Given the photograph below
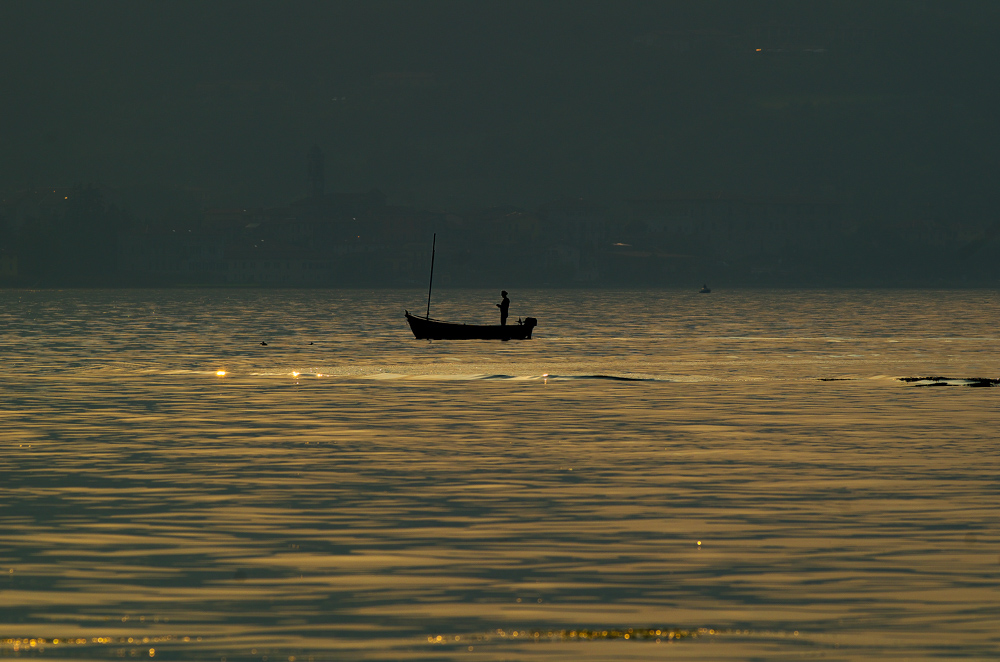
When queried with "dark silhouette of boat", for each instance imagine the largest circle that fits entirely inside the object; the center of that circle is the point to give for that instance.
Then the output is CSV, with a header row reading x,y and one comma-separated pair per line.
x,y
425,328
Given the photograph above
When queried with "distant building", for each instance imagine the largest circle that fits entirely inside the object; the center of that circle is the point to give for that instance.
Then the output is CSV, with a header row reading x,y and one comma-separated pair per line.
x,y
8,267
733,227
34,204
321,240
580,223
505,225
168,256
276,267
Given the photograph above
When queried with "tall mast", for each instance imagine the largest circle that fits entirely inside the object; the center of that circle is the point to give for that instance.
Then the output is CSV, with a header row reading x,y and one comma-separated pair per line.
x,y
431,283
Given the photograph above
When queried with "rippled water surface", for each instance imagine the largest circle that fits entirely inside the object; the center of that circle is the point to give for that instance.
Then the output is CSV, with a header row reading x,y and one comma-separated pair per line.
x,y
657,474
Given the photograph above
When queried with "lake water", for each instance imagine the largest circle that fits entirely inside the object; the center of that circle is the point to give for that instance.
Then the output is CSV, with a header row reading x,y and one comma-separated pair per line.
x,y
657,474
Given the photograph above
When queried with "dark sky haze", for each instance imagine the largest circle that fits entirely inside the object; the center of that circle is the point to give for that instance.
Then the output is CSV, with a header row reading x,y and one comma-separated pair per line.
x,y
463,104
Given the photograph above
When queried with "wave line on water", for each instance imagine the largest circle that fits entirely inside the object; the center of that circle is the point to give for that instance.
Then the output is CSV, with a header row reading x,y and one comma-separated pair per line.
x,y
616,378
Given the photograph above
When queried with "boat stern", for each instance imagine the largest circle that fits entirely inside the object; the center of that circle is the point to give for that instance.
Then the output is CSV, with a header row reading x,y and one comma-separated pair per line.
x,y
530,323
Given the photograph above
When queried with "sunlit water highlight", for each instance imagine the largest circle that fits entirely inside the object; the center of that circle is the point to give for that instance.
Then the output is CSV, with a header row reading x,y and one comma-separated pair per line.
x,y
739,475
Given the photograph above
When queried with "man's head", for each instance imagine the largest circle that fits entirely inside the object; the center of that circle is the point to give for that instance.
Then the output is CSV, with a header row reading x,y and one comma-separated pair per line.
x,y
503,293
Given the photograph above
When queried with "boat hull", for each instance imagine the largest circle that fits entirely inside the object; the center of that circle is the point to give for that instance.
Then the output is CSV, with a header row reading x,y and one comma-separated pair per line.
x,y
429,329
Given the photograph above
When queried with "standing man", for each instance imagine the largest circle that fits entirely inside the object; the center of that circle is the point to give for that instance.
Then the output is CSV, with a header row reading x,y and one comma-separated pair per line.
x,y
504,306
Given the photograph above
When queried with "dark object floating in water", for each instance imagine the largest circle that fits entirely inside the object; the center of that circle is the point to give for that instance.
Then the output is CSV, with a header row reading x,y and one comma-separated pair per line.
x,y
949,381
581,377
983,381
430,329
616,378
705,289
835,379
263,344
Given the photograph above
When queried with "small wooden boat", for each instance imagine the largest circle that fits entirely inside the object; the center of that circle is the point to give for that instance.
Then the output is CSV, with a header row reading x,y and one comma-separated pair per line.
x,y
425,328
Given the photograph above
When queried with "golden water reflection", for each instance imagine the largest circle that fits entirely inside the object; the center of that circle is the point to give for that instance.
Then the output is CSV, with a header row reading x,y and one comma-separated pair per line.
x,y
425,490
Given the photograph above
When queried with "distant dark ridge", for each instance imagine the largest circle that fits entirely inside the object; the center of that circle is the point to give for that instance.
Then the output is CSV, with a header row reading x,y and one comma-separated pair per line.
x,y
949,381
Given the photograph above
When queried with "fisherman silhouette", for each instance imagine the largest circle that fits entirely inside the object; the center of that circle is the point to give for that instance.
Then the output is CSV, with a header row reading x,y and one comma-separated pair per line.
x,y
504,306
